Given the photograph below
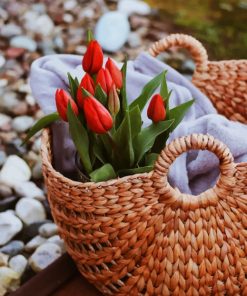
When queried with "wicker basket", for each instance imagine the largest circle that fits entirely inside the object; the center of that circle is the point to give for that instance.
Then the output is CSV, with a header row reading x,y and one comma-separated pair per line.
x,y
138,236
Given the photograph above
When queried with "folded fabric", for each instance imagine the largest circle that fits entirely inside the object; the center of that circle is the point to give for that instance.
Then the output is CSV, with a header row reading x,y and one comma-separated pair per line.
x,y
192,172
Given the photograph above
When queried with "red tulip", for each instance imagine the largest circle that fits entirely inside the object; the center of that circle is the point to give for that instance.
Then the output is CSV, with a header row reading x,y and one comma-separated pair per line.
x,y
98,118
156,109
88,84
104,80
93,58
62,101
116,74
113,101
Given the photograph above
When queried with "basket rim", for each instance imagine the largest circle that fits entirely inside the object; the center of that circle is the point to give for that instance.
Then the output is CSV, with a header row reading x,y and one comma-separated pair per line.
x,y
45,141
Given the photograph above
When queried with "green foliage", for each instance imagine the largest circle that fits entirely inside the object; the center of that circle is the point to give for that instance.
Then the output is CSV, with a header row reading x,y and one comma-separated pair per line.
x,y
73,86
100,95
103,173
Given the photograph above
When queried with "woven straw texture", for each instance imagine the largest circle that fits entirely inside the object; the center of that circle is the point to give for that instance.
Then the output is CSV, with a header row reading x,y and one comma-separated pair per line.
x,y
224,82
139,236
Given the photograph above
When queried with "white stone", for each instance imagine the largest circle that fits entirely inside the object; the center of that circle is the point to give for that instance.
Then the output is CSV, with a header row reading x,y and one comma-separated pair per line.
x,y
44,256
9,279
68,18
134,40
30,100
25,88
44,25
2,61
23,41
134,6
48,229
10,225
56,239
3,82
4,119
22,123
112,30
28,189
9,101
70,5
10,30
18,263
14,171
30,210
34,243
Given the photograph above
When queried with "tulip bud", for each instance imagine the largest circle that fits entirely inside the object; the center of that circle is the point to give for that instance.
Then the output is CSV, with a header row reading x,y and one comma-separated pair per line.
x,y
156,109
116,74
88,84
104,80
98,118
93,58
113,101
62,101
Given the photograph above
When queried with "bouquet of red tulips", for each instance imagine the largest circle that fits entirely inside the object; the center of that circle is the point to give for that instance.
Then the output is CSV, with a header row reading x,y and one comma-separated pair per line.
x,y
106,130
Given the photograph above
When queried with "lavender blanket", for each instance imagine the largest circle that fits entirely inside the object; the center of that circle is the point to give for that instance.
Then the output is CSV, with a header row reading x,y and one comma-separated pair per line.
x,y
192,172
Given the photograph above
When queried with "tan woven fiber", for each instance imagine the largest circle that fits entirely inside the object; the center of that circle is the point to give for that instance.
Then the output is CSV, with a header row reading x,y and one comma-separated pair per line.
x,y
138,236
224,82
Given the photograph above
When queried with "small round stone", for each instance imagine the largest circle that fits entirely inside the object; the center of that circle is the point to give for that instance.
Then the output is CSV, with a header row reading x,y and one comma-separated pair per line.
x,y
10,225
28,189
22,123
30,210
5,191
44,256
56,239
18,264
48,229
34,243
12,248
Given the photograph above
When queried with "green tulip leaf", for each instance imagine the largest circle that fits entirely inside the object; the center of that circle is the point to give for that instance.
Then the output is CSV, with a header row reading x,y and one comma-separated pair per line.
x,y
100,95
90,36
99,150
73,86
124,103
135,121
40,124
146,138
140,170
80,138
164,88
106,172
147,91
151,158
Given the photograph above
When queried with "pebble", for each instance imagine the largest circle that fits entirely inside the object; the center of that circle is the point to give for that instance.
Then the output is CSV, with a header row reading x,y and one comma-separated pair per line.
x,y
134,6
8,101
44,25
37,171
9,279
18,264
30,210
2,61
4,120
3,158
56,239
44,256
12,248
23,41
28,189
30,100
5,191
36,145
10,225
134,40
48,230
14,147
8,203
4,258
14,52
108,28
188,65
31,230
14,171
34,243
70,5
20,109
22,123
10,30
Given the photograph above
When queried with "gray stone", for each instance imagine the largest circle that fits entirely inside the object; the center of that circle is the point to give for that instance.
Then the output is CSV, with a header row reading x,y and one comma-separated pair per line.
x,y
23,41
188,65
108,28
7,203
3,158
40,24
56,239
8,101
4,258
14,171
2,61
48,229
30,210
22,123
37,170
44,256
5,191
31,230
28,189
9,279
18,264
10,225
12,248
134,6
134,40
10,30
34,243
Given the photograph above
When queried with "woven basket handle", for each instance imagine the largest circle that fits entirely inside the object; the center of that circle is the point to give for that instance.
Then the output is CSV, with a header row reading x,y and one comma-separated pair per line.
x,y
195,142
196,49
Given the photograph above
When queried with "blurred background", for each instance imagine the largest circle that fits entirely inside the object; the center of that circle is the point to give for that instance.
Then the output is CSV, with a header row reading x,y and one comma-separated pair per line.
x,y
30,29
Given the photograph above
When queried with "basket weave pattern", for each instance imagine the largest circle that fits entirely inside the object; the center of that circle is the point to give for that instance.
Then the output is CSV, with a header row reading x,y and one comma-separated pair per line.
x,y
139,236
224,82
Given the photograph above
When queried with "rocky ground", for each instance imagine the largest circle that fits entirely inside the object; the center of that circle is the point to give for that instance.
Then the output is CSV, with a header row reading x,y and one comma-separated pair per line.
x,y
29,29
